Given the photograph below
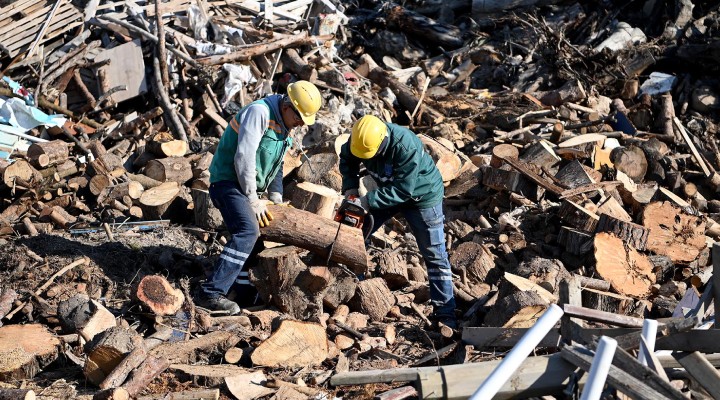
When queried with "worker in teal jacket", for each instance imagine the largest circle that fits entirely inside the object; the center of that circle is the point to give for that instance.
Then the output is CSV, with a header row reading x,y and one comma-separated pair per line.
x,y
247,163
409,184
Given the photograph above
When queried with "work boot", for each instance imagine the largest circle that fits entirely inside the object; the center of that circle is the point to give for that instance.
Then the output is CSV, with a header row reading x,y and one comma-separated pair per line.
x,y
220,303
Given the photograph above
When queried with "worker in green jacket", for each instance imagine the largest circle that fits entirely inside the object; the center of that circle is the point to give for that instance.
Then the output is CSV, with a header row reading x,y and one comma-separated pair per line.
x,y
409,184
248,162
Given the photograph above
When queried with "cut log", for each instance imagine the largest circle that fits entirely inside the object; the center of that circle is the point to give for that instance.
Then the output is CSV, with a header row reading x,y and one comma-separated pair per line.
x,y
156,293
311,232
98,184
20,171
172,169
577,216
233,355
105,165
7,299
341,288
248,386
207,216
156,201
477,261
164,145
614,209
575,241
322,169
503,151
610,302
112,394
106,350
509,180
546,272
446,161
206,375
542,155
135,358
144,374
45,154
518,310
17,394
631,161
85,316
283,280
374,298
418,25
631,234
25,350
526,285
292,60
391,265
314,198
294,344
146,182
629,272
573,175
673,233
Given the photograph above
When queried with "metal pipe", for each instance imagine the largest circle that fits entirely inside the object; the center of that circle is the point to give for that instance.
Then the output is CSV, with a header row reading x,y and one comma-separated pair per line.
x,y
512,361
599,369
649,332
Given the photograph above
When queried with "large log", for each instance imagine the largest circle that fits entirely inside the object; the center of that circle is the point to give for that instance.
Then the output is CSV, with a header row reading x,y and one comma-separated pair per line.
x,y
341,288
629,272
45,154
24,350
673,233
477,261
517,310
447,162
164,145
18,172
156,293
294,344
392,266
106,351
632,234
312,232
156,201
85,316
174,169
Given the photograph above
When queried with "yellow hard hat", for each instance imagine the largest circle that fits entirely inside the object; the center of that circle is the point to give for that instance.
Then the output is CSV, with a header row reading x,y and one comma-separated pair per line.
x,y
367,135
306,99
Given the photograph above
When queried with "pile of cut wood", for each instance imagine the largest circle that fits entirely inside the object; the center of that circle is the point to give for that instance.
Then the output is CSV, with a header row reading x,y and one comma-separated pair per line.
x,y
577,145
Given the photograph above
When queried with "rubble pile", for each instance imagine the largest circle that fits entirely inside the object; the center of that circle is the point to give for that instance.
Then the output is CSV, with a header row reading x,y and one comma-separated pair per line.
x,y
576,142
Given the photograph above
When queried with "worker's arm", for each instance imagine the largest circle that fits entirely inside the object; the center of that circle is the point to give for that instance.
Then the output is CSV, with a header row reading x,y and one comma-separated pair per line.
x,y
349,169
406,165
253,123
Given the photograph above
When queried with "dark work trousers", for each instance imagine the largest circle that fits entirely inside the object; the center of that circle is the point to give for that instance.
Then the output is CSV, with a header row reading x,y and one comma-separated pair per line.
x,y
240,221
426,225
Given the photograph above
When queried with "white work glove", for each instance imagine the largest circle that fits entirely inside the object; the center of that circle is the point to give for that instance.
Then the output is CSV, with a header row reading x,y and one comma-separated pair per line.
x,y
352,192
275,197
261,212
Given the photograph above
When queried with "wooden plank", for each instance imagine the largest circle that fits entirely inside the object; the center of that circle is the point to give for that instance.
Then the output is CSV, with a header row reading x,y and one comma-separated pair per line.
x,y
696,155
15,6
28,22
570,293
602,316
44,28
52,36
59,25
701,370
617,378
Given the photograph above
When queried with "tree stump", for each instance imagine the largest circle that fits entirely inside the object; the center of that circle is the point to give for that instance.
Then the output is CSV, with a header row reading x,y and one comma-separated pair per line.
x,y
294,344
206,215
25,350
107,350
673,233
172,169
156,293
374,298
629,272
314,198
42,155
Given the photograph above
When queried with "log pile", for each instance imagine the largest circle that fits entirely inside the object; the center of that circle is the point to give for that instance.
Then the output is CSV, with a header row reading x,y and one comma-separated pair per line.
x,y
577,172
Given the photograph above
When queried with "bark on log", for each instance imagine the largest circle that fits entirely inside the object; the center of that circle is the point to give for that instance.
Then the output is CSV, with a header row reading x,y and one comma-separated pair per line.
x,y
294,344
17,394
374,298
283,280
144,374
107,350
112,394
609,302
7,299
613,208
311,232
632,234
98,184
42,155
322,169
173,169
673,233
136,357
629,272
164,145
502,151
575,241
292,60
156,201
341,288
206,215
631,161
577,216
20,171
105,165
202,165
257,50
573,175
392,266
156,293
24,350
541,155
447,162
518,310
509,180
314,198
477,261
146,182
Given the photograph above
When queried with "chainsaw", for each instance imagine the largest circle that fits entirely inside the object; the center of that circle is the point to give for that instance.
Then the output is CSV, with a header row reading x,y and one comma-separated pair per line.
x,y
350,213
